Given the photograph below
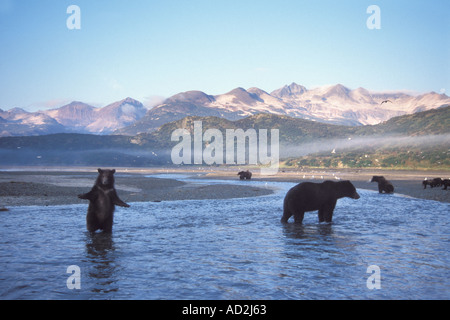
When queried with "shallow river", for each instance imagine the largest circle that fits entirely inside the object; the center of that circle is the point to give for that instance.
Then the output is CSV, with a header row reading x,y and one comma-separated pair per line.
x,y
230,249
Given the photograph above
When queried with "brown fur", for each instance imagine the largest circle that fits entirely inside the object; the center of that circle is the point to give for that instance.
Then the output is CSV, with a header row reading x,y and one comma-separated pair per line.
x,y
102,201
309,196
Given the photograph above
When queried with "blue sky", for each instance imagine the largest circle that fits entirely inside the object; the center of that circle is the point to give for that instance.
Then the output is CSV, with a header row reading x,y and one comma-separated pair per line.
x,y
145,49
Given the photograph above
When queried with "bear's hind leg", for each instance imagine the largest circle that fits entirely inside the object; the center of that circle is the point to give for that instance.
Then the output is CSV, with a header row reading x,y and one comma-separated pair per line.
x,y
107,227
92,223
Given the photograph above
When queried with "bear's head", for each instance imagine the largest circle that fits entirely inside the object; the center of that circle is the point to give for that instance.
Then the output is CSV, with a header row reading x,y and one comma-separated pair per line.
x,y
347,189
377,179
105,178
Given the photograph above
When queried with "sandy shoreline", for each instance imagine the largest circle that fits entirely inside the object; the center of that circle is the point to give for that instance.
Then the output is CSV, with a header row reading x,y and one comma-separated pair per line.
x,y
60,186
44,188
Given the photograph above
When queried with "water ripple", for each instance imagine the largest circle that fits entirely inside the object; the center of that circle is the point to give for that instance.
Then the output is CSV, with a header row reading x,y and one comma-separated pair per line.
x,y
222,249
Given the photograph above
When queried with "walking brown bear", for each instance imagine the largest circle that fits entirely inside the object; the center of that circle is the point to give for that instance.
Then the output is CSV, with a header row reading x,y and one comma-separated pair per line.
x,y
245,175
383,184
102,201
309,196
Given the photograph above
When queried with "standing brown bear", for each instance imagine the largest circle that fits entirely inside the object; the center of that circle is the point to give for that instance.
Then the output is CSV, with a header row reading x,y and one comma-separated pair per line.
x,y
309,196
102,201
383,184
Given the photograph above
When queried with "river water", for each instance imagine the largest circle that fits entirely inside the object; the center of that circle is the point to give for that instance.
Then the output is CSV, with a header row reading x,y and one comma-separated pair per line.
x,y
230,249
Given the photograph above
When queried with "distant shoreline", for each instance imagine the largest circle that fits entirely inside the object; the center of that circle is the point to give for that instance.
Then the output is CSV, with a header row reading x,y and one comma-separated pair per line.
x,y
406,182
43,186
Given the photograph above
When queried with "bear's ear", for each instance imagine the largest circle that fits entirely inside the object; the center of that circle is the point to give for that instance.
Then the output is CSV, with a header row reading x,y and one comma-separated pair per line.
x,y
348,184
113,171
99,170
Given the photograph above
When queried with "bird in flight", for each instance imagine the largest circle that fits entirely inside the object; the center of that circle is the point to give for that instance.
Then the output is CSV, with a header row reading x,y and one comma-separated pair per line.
x,y
386,101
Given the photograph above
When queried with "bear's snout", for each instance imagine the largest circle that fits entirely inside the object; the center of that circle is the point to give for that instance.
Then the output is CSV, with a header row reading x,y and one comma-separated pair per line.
x,y
356,195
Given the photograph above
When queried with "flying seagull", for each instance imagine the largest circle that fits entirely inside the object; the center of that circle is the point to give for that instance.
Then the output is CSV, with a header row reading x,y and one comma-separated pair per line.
x,y
386,101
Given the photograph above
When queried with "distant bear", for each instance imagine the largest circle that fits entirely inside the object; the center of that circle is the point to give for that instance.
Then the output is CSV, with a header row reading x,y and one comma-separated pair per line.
x,y
445,183
102,200
245,175
436,182
309,196
383,184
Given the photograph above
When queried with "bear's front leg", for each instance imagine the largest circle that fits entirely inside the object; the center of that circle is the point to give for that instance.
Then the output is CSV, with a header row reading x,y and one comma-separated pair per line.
x,y
118,202
321,216
91,195
380,188
286,216
85,196
327,211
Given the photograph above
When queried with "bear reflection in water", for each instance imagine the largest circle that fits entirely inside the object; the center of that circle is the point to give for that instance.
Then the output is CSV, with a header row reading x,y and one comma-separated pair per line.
x,y
309,196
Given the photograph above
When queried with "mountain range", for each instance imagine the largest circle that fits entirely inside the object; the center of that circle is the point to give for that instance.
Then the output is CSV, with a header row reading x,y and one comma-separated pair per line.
x,y
330,104
75,117
335,104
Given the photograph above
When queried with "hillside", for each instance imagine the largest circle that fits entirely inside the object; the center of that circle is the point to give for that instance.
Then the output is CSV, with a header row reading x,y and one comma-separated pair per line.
x,y
299,131
418,141
431,122
302,143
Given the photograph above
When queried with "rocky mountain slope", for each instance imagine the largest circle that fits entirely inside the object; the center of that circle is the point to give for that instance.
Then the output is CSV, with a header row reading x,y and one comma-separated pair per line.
x,y
330,104
335,104
76,117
